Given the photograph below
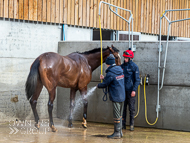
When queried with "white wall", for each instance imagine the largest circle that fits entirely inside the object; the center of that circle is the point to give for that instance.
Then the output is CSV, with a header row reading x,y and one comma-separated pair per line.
x,y
148,38
77,33
20,44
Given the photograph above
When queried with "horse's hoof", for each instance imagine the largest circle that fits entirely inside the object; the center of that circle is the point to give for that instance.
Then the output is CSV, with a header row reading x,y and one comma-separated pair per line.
x,y
53,128
70,125
84,123
84,126
37,125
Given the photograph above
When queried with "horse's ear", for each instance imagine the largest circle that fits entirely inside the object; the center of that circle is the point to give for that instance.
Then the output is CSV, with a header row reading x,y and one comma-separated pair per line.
x,y
110,49
112,46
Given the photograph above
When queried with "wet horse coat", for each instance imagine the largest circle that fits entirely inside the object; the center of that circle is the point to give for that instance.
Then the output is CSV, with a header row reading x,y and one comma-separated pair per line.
x,y
73,71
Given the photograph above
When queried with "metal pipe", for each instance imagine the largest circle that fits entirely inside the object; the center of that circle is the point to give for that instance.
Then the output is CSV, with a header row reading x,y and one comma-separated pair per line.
x,y
179,20
118,14
113,6
158,96
132,36
170,22
165,56
115,12
166,18
177,10
129,33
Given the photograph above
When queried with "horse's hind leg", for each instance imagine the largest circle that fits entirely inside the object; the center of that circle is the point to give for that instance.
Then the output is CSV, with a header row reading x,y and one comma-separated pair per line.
x,y
72,106
85,102
33,103
50,108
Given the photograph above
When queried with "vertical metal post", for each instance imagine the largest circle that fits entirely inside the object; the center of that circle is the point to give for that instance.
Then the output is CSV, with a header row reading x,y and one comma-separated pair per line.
x,y
129,33
132,35
157,110
166,52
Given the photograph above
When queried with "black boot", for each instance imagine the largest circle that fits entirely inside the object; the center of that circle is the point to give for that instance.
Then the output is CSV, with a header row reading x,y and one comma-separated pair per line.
x,y
117,131
132,122
131,127
121,127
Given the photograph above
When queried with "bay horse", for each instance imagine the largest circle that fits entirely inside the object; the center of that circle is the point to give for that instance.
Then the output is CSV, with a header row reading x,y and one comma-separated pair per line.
x,y
73,71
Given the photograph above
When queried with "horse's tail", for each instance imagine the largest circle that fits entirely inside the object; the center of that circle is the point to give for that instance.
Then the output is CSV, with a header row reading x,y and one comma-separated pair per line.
x,y
32,79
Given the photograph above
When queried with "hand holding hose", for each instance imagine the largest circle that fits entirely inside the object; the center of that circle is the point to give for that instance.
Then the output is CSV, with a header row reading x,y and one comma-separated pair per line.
x,y
101,77
133,94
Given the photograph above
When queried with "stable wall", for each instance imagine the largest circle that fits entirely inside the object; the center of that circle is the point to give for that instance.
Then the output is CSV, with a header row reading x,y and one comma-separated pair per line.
x,y
174,97
20,44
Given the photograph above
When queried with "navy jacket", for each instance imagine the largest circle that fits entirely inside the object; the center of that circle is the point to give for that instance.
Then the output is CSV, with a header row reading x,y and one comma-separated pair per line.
x,y
114,80
131,73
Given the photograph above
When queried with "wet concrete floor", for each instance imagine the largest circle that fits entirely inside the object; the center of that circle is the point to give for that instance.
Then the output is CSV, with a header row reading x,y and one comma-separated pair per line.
x,y
14,132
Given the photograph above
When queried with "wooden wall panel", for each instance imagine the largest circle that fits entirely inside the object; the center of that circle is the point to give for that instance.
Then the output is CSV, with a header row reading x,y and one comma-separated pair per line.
x,y
121,13
124,15
35,10
5,12
44,11
128,14
112,16
102,16
61,8
146,14
91,13
15,11
139,15
72,12
95,13
39,10
109,16
69,12
88,13
57,17
97,16
76,12
26,8
142,15
152,16
31,10
115,17
84,15
65,11
11,9
136,15
105,14
131,8
1,8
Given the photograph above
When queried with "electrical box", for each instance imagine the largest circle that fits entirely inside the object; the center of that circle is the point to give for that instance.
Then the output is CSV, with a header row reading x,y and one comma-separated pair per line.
x,y
134,48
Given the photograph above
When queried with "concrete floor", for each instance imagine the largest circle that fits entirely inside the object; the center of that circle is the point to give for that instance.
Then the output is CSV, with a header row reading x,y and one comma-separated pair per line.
x,y
14,132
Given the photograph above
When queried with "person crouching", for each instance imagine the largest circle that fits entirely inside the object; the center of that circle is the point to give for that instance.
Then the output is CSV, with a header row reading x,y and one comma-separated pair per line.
x,y
114,80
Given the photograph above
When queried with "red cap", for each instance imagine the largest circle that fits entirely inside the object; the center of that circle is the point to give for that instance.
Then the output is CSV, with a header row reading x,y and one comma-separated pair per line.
x,y
128,54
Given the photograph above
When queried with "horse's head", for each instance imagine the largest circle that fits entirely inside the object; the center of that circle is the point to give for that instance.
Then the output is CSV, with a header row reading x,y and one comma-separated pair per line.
x,y
115,52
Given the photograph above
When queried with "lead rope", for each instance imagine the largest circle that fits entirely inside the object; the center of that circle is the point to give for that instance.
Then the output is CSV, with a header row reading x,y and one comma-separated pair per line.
x,y
105,97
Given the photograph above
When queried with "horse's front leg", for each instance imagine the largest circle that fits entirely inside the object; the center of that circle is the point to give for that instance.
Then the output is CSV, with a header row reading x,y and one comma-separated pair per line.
x,y
85,102
72,106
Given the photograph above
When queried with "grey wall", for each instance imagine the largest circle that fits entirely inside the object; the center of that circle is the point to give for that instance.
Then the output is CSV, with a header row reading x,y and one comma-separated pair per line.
x,y
20,44
174,97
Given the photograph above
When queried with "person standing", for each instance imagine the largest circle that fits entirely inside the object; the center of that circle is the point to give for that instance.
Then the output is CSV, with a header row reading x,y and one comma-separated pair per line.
x,y
132,80
114,80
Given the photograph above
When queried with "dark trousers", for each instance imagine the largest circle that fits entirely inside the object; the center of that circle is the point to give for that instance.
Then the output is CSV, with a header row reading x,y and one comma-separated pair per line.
x,y
117,110
130,101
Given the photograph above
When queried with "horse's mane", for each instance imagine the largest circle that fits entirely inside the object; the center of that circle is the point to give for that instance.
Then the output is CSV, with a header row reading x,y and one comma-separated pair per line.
x,y
97,50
